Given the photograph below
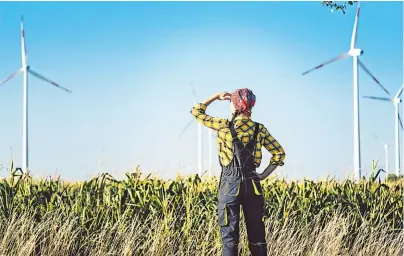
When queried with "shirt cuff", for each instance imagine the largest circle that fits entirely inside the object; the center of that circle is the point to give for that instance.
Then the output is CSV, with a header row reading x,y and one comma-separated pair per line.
x,y
200,106
278,163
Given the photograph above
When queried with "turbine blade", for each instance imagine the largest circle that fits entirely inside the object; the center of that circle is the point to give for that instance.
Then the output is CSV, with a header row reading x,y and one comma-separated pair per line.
x,y
355,28
23,47
47,80
376,98
186,127
342,56
10,77
378,139
194,93
373,77
399,119
399,91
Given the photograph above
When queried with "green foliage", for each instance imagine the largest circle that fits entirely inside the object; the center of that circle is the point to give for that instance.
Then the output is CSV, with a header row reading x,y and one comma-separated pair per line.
x,y
337,6
393,177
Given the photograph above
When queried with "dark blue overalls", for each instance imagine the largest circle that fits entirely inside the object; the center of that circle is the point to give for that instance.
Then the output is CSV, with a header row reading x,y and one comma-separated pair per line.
x,y
239,185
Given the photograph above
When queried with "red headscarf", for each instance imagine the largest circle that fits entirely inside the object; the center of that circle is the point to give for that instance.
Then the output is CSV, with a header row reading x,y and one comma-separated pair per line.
x,y
243,101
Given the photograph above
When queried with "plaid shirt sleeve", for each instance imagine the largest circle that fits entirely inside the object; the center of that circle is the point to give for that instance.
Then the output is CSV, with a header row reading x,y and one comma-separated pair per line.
x,y
273,146
198,111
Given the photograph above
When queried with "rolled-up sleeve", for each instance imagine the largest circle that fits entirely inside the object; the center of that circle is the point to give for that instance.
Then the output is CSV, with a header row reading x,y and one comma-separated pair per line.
x,y
198,111
274,148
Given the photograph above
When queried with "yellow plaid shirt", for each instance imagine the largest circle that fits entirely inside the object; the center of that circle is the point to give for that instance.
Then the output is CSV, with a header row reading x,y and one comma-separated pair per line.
x,y
245,130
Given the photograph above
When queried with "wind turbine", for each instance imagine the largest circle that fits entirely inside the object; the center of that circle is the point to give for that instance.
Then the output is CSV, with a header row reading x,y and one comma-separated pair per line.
x,y
386,154
396,101
354,53
386,161
403,80
200,160
210,136
27,69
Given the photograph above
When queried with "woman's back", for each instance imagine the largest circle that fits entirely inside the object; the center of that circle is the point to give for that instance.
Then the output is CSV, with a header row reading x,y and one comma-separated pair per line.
x,y
244,127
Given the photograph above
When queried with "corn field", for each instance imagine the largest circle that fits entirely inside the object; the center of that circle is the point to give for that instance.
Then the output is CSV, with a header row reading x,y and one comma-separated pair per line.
x,y
144,215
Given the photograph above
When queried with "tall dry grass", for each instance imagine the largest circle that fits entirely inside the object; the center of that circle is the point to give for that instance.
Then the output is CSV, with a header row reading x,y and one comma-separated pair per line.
x,y
59,235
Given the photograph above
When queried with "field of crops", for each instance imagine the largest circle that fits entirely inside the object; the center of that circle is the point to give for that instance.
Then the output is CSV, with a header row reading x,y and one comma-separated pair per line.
x,y
147,216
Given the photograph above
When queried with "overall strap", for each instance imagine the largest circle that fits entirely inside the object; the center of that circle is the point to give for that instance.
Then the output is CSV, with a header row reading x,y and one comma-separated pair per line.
x,y
232,130
256,131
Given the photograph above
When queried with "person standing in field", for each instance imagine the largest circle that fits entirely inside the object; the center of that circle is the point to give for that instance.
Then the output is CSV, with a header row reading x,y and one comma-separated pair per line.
x,y
239,144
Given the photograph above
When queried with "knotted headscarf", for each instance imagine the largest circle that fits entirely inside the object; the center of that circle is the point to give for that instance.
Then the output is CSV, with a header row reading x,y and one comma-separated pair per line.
x,y
243,101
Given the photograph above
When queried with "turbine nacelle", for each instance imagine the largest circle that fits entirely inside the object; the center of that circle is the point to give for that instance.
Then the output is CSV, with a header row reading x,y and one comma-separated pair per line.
x,y
396,100
355,52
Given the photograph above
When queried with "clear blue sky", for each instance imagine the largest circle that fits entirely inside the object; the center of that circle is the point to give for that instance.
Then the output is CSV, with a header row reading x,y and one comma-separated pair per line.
x,y
129,65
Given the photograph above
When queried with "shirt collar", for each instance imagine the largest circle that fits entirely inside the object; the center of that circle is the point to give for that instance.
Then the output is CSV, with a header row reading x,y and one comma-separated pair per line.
x,y
242,117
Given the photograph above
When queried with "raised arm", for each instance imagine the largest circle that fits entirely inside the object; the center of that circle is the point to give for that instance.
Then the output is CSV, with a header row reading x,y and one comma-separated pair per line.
x,y
277,152
198,111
